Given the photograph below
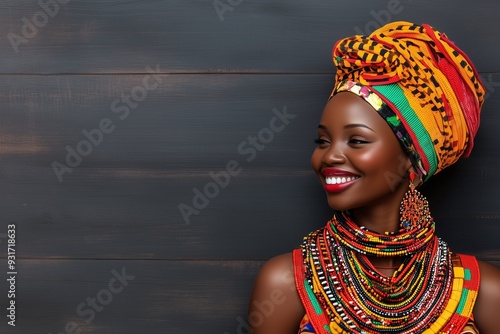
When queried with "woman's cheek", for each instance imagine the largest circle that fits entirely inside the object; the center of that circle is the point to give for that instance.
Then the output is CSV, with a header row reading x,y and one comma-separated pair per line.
x,y
316,159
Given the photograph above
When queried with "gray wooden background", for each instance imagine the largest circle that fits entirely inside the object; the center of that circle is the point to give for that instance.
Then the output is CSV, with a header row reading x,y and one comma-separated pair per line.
x,y
171,95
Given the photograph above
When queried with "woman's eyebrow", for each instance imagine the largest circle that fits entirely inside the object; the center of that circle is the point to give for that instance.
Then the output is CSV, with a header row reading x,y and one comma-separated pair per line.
x,y
357,125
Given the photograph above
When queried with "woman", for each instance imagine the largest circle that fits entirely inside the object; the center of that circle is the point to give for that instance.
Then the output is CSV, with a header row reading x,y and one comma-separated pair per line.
x,y
405,106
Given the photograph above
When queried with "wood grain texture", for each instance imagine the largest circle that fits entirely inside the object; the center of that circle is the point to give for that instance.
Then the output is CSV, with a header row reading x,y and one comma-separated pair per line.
x,y
149,298
217,85
117,36
122,201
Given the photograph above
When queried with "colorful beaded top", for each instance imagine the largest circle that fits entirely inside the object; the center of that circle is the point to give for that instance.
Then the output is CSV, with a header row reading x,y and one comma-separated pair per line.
x,y
342,292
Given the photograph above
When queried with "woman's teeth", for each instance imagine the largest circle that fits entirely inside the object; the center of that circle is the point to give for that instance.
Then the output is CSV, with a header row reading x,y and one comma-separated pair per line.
x,y
339,179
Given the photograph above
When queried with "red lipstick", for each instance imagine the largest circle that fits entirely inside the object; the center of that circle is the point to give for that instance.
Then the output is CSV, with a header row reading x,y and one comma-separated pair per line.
x,y
337,180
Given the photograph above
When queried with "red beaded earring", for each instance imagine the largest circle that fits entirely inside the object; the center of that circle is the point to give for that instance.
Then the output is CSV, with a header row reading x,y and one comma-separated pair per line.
x,y
414,208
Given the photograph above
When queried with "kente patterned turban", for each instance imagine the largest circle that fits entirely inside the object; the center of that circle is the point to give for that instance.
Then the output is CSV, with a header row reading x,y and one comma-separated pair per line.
x,y
424,86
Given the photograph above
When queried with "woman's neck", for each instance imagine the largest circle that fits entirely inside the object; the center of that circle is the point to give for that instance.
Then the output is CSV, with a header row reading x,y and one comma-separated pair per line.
x,y
380,219
383,214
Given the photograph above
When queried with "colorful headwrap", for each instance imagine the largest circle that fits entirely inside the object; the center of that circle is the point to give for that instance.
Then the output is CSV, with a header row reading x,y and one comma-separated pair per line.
x,y
424,86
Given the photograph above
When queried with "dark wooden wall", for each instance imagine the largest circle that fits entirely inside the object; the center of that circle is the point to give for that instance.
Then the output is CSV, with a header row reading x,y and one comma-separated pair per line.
x,y
219,80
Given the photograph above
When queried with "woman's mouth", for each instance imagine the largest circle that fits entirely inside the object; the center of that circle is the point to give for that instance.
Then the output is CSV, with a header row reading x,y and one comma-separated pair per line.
x,y
338,180
337,184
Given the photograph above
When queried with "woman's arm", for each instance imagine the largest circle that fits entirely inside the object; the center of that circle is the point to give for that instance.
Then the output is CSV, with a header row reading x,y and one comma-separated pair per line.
x,y
487,308
275,306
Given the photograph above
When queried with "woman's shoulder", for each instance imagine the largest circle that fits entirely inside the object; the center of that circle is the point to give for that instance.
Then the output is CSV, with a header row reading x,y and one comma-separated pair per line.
x,y
489,288
278,264
487,307
277,276
275,306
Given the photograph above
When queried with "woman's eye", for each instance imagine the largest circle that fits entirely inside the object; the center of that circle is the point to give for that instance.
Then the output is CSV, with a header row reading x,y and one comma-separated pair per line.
x,y
357,141
321,142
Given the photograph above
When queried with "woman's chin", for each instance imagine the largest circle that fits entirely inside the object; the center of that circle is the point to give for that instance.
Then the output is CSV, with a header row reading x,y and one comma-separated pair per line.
x,y
338,205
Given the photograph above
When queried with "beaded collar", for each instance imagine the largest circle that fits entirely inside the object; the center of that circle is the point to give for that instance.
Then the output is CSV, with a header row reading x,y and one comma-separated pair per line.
x,y
342,285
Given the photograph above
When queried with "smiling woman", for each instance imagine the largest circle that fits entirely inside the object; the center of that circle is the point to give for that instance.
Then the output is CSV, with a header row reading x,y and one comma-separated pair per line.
x,y
357,144
406,105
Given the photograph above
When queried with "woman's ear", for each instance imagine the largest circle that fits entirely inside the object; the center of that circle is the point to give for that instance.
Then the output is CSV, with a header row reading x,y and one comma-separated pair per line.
x,y
408,167
417,181
408,164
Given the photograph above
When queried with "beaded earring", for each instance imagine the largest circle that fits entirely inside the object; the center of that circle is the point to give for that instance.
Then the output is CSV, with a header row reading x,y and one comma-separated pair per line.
x,y
414,208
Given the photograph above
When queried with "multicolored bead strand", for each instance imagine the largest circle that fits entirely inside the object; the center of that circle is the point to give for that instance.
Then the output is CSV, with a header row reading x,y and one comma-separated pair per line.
x,y
357,298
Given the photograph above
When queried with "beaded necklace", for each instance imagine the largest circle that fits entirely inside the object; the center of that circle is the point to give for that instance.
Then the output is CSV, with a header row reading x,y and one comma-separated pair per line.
x,y
359,299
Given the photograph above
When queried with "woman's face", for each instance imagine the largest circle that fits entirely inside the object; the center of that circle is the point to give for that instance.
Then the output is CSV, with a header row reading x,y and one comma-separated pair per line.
x,y
358,160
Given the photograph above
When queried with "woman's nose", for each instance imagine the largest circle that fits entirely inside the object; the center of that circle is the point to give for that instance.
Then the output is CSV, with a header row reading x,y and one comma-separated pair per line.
x,y
334,154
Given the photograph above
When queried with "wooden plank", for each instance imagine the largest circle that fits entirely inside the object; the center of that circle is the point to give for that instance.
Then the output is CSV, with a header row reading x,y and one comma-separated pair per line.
x,y
188,36
123,200
66,296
